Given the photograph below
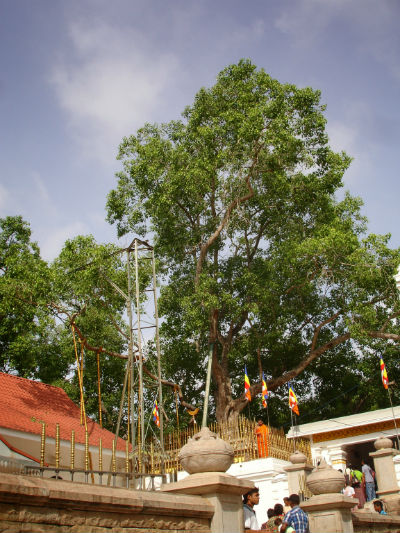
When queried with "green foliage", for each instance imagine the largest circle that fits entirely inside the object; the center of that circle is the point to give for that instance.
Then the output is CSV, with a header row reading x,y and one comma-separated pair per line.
x,y
256,252
38,303
26,330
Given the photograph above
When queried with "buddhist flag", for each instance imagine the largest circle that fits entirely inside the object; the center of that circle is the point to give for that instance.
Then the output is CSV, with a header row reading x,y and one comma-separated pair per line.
x,y
385,379
293,401
264,392
247,392
156,417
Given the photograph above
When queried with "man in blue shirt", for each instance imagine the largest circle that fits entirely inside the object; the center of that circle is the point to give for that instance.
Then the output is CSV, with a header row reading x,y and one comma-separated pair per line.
x,y
296,517
369,480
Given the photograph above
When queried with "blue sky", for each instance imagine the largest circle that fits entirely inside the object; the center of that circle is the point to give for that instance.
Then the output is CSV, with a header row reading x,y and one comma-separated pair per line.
x,y
77,76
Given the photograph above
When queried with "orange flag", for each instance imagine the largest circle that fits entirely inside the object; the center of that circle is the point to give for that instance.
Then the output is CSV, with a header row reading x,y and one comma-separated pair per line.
x,y
247,392
293,401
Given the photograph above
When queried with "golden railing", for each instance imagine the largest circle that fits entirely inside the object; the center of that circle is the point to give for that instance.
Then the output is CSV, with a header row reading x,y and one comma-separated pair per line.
x,y
241,436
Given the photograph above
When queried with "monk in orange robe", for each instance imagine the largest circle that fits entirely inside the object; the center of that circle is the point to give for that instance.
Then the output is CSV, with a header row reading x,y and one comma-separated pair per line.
x,y
261,432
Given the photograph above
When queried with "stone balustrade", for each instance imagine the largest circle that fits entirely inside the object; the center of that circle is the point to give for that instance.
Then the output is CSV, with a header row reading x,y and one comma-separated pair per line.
x,y
38,505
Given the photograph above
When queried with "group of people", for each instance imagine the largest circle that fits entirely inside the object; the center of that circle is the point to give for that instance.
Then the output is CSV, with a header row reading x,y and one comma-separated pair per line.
x,y
288,519
360,484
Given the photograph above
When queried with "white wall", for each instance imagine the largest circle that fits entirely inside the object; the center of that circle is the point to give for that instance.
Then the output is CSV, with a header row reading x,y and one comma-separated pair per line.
x,y
269,476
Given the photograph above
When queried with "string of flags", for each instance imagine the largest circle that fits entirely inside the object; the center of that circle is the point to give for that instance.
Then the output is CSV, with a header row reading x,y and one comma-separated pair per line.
x,y
293,403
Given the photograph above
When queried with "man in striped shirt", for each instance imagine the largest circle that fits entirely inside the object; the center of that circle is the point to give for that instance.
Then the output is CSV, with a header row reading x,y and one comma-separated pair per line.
x,y
296,517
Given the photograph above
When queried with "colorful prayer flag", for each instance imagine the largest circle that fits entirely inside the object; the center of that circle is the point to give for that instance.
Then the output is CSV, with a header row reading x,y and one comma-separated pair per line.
x,y
293,401
264,392
385,379
247,392
156,417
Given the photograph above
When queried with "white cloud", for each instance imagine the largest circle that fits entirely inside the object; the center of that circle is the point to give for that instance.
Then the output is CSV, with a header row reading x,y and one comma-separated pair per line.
x,y
349,135
53,239
41,188
373,26
110,85
305,20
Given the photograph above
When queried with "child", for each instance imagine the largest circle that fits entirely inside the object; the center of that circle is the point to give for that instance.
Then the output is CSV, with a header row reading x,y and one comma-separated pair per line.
x,y
289,529
378,506
349,491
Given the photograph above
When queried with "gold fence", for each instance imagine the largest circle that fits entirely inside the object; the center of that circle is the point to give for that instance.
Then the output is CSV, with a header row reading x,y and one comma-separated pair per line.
x,y
240,434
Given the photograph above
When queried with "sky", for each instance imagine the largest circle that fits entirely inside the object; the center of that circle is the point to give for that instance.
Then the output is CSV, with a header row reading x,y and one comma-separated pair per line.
x,y
78,76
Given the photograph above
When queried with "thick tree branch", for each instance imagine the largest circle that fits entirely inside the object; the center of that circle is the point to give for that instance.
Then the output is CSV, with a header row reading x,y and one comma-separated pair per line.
x,y
234,204
320,326
239,403
389,319
383,335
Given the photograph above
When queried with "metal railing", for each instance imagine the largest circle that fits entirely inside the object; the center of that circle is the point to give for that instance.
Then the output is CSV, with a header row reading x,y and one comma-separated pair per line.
x,y
149,469
98,477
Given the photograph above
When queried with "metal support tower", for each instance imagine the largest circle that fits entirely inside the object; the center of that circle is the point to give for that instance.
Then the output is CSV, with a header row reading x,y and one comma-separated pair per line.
x,y
146,318
146,313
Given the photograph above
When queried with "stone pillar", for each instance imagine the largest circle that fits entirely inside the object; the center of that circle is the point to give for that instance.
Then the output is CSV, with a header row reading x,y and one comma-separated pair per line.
x,y
328,510
388,488
384,467
338,457
297,472
207,457
330,513
223,491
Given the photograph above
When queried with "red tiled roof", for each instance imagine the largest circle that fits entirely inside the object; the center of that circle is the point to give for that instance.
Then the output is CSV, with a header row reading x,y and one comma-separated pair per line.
x,y
26,403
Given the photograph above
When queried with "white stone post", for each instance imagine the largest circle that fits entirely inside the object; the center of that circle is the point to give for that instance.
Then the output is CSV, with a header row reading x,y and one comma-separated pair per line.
x,y
388,488
297,472
328,510
223,491
207,457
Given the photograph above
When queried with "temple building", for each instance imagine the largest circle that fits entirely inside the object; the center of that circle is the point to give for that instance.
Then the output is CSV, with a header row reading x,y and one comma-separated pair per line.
x,y
349,439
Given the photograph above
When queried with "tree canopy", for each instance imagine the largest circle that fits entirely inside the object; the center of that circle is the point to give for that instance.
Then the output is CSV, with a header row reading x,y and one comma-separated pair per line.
x,y
258,255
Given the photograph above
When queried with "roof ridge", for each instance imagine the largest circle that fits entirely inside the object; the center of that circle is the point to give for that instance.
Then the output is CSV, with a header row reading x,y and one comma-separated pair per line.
x,y
37,382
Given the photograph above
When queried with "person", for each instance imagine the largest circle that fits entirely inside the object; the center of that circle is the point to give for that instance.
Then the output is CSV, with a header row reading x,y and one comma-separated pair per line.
x,y
286,506
271,525
250,499
378,506
356,479
261,432
348,490
296,517
289,529
368,480
278,510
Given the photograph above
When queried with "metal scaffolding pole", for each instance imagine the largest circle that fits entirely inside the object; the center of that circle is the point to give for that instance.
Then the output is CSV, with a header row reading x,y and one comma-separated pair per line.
x,y
131,415
139,337
160,397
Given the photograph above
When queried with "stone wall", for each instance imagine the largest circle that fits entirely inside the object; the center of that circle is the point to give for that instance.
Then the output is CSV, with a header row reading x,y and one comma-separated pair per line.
x,y
364,522
37,505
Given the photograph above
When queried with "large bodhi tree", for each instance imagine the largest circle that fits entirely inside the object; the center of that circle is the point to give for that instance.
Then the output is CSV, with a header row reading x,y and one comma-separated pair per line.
x,y
258,256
